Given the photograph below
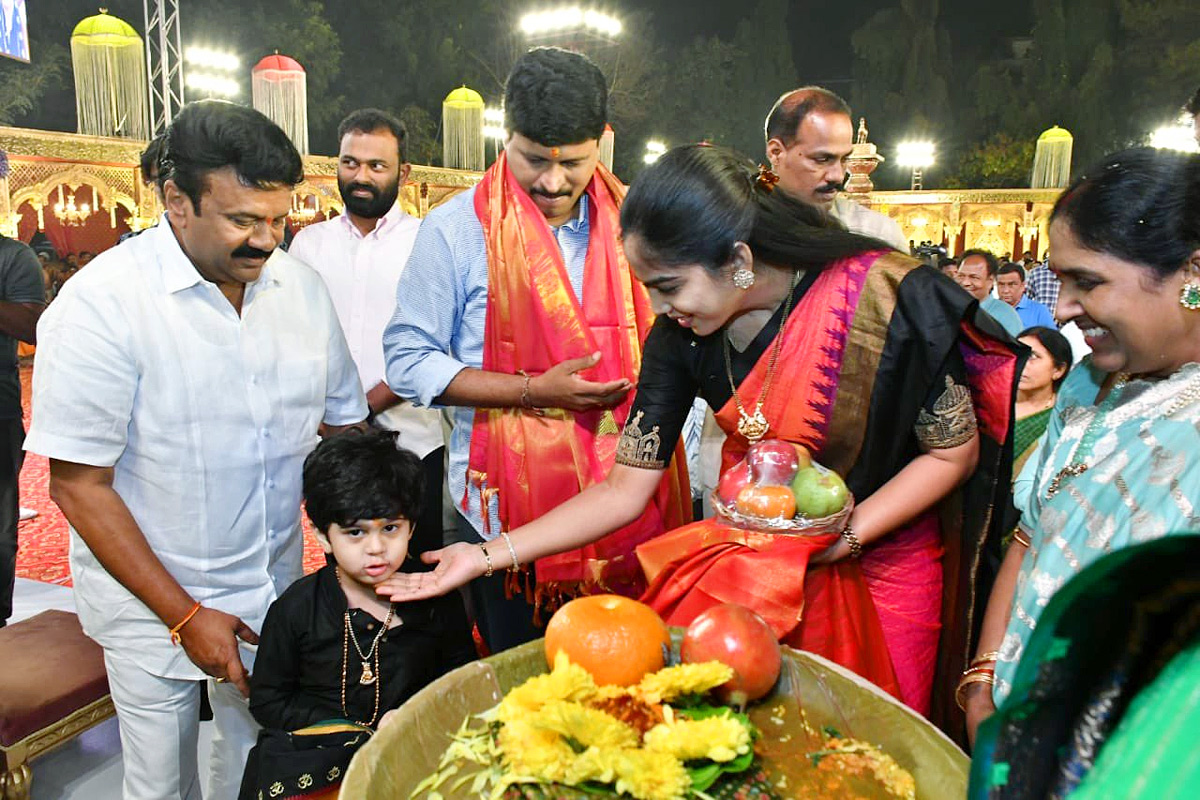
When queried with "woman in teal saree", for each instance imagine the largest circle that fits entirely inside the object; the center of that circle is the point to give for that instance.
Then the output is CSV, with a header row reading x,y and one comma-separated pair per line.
x,y
1120,463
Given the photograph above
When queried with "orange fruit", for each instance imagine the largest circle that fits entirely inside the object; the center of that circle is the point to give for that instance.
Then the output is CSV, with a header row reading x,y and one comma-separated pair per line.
x,y
616,639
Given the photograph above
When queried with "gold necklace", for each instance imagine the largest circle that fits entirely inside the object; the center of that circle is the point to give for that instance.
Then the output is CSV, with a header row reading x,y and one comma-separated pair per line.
x,y
1078,466
369,660
753,427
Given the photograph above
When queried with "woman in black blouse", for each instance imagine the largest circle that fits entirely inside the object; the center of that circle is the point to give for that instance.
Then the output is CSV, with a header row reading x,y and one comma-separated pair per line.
x,y
875,372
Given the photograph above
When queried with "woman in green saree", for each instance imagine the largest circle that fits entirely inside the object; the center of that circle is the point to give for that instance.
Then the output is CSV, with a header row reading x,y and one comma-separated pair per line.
x,y
1047,367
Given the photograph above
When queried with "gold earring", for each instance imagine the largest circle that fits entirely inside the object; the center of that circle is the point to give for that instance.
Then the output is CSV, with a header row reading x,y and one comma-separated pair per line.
x,y
1189,295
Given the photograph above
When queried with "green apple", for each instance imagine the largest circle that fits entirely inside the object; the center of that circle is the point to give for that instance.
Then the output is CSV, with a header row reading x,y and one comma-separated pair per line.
x,y
819,492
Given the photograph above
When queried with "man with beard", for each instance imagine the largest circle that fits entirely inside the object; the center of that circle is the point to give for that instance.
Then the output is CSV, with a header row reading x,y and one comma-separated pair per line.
x,y
809,137
519,311
360,255
180,381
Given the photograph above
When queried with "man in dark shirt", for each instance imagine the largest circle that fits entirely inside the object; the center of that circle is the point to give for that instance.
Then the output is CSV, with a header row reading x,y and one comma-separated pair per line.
x,y
22,298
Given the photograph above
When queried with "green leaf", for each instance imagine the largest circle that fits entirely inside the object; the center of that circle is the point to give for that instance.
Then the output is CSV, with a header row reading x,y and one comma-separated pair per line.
x,y
705,775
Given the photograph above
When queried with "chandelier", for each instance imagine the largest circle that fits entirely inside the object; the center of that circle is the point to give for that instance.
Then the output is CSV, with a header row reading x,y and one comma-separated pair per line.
x,y
302,212
70,214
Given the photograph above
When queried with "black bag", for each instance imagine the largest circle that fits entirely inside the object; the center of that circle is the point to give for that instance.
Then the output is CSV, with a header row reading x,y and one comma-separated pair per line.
x,y
297,764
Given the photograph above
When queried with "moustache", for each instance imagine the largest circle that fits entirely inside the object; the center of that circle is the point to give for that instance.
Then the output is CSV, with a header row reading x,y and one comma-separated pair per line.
x,y
830,188
246,251
550,195
354,187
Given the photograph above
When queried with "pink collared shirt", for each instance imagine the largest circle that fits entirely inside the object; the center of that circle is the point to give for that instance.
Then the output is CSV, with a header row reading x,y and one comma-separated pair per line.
x,y
361,273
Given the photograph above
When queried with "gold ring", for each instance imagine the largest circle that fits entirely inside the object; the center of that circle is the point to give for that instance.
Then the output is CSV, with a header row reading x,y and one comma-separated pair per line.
x,y
220,680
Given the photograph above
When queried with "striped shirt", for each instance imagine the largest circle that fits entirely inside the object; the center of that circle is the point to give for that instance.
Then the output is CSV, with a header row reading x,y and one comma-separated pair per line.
x,y
1043,286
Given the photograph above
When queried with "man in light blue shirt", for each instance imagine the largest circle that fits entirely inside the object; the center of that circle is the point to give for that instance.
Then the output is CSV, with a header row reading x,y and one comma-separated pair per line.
x,y
977,274
434,347
1010,287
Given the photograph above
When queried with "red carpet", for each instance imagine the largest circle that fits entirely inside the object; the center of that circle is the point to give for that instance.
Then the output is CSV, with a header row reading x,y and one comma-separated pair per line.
x,y
42,541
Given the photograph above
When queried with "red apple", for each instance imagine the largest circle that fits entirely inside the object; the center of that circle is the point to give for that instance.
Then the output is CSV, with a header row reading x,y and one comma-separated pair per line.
x,y
773,461
732,481
743,641
767,502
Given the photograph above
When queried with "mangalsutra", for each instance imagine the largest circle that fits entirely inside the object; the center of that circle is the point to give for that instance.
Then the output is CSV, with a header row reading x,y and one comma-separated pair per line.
x,y
753,427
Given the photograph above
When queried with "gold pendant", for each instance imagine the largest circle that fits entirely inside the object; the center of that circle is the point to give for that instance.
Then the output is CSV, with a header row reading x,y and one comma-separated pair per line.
x,y
368,677
753,427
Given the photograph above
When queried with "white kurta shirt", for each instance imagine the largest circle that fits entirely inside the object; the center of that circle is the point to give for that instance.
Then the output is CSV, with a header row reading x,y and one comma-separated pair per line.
x,y
861,219
361,273
205,416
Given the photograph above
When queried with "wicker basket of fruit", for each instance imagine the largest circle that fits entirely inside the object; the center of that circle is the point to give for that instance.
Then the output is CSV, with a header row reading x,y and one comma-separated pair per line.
x,y
778,488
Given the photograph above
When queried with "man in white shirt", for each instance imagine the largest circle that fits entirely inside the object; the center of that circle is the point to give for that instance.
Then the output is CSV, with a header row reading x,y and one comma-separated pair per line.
x,y
809,137
360,255
180,382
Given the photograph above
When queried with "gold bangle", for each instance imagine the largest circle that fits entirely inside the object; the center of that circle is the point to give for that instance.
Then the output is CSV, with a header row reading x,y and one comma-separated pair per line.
x,y
856,548
488,558
988,678
1019,537
985,658
175,637
977,670
516,566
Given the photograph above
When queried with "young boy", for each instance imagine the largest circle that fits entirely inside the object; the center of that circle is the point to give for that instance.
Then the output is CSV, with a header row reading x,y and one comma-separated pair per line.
x,y
330,647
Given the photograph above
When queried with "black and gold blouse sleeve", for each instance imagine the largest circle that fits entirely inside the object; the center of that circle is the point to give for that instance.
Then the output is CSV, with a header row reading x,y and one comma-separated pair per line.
x,y
666,389
947,418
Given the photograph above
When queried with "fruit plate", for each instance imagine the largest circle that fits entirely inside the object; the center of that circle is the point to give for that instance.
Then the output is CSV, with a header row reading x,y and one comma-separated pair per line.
x,y
796,526
406,751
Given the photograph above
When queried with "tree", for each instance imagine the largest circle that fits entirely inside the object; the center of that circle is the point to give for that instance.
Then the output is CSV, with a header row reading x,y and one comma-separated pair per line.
x,y
724,89
901,69
296,28
1001,162
22,86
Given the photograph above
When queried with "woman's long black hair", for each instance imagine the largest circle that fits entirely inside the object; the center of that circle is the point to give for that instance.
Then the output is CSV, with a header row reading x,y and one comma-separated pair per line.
x,y
696,202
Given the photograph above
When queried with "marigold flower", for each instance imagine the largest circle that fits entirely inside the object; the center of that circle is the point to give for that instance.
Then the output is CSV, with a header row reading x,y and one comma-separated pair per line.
x,y
720,738
566,681
672,682
585,725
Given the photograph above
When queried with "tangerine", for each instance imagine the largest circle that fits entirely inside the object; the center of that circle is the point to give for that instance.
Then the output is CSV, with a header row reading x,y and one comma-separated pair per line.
x,y
616,639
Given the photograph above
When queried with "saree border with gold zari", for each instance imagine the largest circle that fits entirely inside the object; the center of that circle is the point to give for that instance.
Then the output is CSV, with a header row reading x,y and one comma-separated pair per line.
x,y
533,460
878,357
708,563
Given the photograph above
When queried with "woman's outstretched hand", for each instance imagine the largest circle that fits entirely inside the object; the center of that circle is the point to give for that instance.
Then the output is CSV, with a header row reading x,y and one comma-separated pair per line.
x,y
457,564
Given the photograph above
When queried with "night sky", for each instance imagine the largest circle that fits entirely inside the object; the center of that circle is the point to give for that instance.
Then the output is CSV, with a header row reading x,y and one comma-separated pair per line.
x,y
820,30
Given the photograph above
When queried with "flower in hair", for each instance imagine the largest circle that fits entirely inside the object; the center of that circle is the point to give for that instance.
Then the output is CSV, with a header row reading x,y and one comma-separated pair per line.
x,y
766,179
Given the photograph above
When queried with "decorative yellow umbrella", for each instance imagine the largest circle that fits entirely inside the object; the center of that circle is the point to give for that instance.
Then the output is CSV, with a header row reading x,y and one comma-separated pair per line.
x,y
279,86
111,93
462,129
1052,159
